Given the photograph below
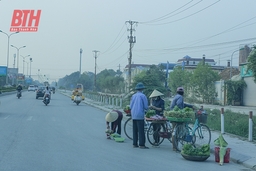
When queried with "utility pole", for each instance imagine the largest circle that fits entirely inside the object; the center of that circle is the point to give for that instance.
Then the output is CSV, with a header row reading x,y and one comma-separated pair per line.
x,y
119,66
95,56
132,40
81,51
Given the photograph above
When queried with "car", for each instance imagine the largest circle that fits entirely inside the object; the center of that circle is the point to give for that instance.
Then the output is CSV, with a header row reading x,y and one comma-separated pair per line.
x,y
31,88
40,92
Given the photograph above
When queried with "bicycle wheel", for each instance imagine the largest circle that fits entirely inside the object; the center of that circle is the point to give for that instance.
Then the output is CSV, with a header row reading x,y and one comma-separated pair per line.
x,y
128,128
202,135
153,134
182,136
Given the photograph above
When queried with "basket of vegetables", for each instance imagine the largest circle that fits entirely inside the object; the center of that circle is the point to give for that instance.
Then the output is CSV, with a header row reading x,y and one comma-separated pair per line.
x,y
179,115
189,152
127,110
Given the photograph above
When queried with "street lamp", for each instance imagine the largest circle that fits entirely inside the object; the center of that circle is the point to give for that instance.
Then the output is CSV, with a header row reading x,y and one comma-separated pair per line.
x,y
18,49
231,61
8,35
30,67
27,67
24,57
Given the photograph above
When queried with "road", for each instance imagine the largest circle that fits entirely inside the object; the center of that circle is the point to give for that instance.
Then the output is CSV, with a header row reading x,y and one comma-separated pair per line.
x,y
67,137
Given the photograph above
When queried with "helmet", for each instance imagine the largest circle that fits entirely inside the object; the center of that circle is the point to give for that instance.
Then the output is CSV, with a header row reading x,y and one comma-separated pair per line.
x,y
180,89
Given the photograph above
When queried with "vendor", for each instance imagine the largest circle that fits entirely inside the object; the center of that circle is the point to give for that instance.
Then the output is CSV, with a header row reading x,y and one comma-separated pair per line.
x,y
156,102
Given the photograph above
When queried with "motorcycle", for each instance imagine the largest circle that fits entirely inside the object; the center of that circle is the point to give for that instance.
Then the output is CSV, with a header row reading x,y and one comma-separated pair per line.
x,y
46,100
77,99
19,94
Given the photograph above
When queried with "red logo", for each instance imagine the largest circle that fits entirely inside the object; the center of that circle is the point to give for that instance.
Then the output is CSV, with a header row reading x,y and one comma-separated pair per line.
x,y
25,20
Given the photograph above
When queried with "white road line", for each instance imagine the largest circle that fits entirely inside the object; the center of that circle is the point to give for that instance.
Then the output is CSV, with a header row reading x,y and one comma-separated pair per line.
x,y
30,118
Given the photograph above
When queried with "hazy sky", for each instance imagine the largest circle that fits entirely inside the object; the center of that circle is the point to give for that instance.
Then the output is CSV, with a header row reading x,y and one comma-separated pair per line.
x,y
167,30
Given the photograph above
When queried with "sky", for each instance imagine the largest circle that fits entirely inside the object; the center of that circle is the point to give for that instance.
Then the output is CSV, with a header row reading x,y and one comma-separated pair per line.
x,y
165,30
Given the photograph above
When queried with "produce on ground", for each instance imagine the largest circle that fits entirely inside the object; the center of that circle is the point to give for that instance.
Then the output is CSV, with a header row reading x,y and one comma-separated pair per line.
x,y
223,147
189,149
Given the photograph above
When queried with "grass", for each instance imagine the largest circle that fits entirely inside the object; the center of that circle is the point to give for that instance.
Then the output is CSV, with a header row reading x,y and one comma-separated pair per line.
x,y
234,123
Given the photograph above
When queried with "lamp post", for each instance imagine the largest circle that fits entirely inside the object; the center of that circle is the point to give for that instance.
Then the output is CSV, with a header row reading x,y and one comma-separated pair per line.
x,y
24,57
18,49
27,67
30,67
8,35
231,61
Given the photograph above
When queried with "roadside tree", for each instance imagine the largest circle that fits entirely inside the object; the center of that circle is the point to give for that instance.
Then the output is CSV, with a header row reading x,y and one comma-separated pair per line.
x,y
252,62
154,78
203,80
179,77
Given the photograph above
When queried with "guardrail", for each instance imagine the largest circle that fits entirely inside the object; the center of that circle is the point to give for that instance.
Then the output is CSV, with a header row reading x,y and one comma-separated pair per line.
x,y
108,99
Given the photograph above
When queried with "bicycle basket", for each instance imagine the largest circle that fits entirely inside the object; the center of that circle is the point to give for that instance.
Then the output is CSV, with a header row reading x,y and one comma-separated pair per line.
x,y
201,116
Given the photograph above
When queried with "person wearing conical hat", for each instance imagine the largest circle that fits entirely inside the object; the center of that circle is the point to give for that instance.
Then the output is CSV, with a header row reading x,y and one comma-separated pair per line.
x,y
114,118
157,104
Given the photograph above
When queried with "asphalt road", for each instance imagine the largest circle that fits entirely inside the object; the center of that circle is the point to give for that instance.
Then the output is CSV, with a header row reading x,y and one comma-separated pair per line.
x,y
65,137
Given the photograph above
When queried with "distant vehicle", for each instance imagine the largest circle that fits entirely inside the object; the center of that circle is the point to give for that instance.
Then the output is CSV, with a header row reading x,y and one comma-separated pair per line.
x,y
31,88
40,92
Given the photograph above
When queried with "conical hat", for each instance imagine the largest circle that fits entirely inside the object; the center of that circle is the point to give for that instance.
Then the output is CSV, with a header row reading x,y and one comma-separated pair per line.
x,y
111,116
155,93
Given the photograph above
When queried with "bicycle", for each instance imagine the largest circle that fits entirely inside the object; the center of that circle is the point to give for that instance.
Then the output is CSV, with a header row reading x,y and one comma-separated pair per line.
x,y
158,131
199,135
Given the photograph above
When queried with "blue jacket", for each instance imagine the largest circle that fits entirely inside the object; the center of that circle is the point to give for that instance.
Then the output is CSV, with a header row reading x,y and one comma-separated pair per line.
x,y
138,104
178,100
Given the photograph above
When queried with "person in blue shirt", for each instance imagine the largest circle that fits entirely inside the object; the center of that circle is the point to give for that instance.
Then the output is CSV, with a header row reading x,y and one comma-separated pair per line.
x,y
138,105
178,100
157,104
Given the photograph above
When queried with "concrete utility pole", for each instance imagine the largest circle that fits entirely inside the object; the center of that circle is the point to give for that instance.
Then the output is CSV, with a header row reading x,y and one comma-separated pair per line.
x,y
95,56
81,51
132,40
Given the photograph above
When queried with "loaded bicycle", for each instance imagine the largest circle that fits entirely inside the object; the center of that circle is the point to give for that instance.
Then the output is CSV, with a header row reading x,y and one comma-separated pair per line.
x,y
198,135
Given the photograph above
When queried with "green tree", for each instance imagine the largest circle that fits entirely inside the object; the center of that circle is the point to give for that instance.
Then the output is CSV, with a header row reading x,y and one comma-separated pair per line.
x,y
109,81
154,78
87,80
203,80
252,62
179,77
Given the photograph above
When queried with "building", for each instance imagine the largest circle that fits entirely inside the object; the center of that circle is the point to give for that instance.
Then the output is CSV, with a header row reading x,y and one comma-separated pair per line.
x,y
135,70
189,63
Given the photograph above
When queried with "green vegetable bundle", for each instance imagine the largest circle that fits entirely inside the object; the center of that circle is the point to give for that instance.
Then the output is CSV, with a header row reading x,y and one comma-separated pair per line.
x,y
189,149
150,113
223,147
179,113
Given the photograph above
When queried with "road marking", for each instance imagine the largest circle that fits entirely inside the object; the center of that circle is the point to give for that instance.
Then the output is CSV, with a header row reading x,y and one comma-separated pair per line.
x,y
7,117
30,118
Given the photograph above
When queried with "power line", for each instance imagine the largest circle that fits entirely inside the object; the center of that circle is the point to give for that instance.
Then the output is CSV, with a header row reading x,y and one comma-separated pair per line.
x,y
185,16
164,17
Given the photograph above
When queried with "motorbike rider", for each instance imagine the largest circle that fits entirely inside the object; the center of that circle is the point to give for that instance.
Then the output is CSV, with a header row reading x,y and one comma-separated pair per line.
x,y
19,88
47,91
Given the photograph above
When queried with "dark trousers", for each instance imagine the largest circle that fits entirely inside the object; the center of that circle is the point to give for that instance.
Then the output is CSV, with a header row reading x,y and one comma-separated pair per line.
x,y
156,129
117,125
138,132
